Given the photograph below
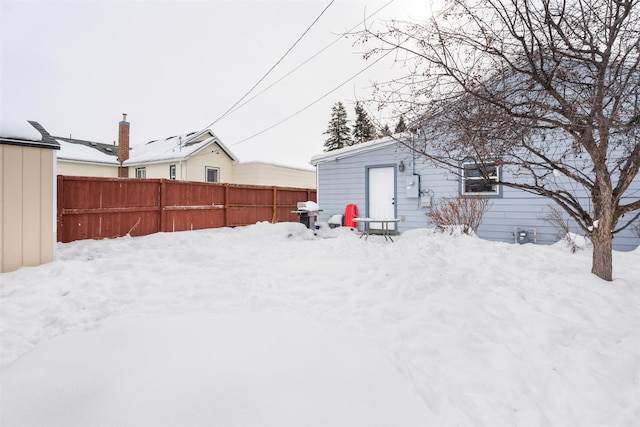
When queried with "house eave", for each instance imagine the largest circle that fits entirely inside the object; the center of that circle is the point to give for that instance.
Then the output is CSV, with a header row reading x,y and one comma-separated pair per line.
x,y
87,162
224,148
354,150
132,164
277,165
28,143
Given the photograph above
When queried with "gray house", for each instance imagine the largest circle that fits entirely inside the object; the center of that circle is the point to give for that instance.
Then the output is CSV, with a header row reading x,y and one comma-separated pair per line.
x,y
385,179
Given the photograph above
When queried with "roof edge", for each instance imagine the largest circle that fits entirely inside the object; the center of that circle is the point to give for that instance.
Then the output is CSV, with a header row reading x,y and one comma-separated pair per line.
x,y
47,139
353,150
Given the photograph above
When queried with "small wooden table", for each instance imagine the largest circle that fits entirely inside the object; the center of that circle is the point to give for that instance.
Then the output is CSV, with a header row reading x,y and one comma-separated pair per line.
x,y
385,226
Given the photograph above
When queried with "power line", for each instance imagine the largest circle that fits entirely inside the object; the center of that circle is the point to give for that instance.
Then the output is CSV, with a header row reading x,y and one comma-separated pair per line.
x,y
274,66
314,102
303,63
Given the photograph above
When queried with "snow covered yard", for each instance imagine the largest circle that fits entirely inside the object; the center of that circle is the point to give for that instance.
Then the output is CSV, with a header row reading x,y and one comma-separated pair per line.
x,y
269,325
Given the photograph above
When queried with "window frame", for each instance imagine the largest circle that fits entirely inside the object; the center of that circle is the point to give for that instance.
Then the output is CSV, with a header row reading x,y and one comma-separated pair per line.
x,y
206,174
495,184
141,172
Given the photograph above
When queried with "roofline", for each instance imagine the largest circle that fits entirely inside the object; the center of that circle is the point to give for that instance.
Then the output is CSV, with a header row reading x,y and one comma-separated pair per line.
x,y
129,163
28,143
226,149
46,141
99,146
216,140
85,162
353,150
278,165
212,140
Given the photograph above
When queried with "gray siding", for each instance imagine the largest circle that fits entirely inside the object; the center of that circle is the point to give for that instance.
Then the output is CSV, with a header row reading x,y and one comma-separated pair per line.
x,y
343,181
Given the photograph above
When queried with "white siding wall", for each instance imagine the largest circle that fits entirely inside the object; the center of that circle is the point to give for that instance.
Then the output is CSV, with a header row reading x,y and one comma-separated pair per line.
x,y
155,170
194,168
84,169
256,173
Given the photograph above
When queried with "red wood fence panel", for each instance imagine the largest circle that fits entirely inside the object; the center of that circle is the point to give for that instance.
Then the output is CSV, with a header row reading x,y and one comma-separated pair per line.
x,y
96,208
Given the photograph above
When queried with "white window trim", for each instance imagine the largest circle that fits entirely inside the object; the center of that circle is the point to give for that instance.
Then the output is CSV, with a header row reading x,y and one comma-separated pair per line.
x,y
496,178
172,171
141,173
206,173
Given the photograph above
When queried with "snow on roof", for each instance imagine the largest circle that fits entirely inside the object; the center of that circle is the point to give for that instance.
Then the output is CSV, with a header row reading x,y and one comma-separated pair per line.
x,y
161,150
352,150
20,129
174,147
83,153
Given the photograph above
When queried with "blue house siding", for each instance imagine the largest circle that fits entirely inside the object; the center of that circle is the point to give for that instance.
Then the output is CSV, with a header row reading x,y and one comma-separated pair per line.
x,y
342,180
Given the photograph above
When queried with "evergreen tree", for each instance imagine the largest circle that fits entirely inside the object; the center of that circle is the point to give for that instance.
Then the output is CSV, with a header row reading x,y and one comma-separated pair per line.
x,y
338,130
363,129
401,126
385,131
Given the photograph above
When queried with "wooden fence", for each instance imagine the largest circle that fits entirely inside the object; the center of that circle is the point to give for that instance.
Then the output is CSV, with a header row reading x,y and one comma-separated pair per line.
x,y
96,208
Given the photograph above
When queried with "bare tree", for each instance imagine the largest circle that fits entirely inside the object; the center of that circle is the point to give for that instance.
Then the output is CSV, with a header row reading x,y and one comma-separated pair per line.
x,y
556,218
549,88
463,212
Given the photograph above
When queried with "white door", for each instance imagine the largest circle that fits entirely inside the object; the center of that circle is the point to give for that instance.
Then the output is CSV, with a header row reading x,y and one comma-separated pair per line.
x,y
382,195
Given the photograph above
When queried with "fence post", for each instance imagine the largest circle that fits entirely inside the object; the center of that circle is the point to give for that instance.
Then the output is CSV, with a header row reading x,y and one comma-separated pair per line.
x,y
226,204
162,200
274,219
59,207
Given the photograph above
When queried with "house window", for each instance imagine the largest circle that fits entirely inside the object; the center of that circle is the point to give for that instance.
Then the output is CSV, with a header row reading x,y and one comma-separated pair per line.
x,y
480,178
212,174
172,171
141,172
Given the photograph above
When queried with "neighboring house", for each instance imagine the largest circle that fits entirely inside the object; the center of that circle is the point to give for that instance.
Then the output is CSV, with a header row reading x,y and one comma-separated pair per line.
x,y
27,193
254,173
197,156
384,179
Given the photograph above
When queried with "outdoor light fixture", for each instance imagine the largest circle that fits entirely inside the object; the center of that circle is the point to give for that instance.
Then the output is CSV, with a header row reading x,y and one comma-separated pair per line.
x,y
401,166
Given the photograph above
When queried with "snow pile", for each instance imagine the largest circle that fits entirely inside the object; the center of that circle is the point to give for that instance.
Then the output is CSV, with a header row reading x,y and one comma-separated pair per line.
x,y
271,325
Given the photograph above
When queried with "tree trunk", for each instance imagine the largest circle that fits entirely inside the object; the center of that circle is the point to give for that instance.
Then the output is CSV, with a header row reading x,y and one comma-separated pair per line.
x,y
602,261
601,236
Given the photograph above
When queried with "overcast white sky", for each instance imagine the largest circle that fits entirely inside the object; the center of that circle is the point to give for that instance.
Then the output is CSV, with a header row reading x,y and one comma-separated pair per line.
x,y
176,66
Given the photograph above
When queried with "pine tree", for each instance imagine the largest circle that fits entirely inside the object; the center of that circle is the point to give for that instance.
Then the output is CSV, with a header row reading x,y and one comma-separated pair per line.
x,y
385,131
338,130
363,129
401,126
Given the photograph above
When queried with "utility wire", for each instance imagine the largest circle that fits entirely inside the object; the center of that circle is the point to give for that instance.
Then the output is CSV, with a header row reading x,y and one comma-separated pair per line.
x,y
233,110
314,102
274,66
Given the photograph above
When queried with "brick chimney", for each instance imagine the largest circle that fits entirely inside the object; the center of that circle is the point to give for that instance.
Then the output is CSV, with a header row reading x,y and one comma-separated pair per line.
x,y
123,146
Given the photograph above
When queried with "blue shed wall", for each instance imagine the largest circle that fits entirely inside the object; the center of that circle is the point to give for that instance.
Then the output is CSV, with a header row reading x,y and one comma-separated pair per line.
x,y
343,181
